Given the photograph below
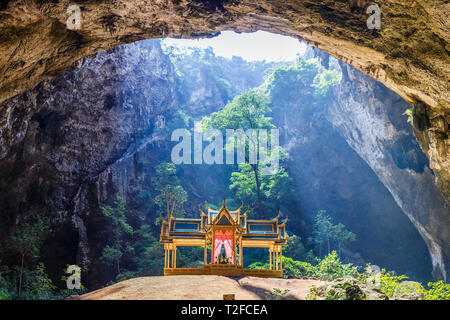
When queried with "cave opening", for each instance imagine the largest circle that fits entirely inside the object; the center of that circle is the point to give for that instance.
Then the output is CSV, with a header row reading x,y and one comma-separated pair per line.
x,y
350,153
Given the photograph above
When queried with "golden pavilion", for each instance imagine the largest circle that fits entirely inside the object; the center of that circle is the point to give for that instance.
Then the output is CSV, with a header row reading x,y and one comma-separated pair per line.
x,y
223,234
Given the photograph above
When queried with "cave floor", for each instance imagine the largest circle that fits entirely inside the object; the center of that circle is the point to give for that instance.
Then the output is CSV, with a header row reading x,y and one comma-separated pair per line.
x,y
201,287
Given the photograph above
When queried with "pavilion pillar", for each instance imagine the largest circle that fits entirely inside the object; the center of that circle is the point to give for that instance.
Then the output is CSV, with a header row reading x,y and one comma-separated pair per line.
x,y
234,249
241,255
165,258
270,258
281,258
174,256
205,253
276,259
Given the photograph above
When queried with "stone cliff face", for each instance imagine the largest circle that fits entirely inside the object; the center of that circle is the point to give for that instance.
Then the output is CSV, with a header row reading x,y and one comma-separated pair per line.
x,y
62,135
329,175
409,54
370,119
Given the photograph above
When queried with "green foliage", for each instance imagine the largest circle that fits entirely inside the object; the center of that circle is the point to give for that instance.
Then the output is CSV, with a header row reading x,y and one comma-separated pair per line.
x,y
324,81
247,111
390,284
437,291
42,286
330,268
229,77
297,251
5,295
113,254
28,239
170,194
327,233
152,260
125,275
275,189
179,120
409,113
4,286
313,293
243,184
276,294
30,235
308,79
298,269
36,285
259,265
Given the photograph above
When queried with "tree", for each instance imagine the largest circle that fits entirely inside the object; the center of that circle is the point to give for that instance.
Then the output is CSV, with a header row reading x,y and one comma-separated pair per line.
x,y
148,252
297,251
170,195
323,228
28,239
306,79
325,232
113,254
274,188
246,111
342,235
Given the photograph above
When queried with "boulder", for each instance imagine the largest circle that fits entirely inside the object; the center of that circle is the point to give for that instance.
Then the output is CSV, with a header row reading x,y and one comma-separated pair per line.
x,y
408,290
347,289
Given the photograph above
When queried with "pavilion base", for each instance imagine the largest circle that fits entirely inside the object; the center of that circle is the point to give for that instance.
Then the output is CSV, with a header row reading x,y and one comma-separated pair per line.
x,y
224,270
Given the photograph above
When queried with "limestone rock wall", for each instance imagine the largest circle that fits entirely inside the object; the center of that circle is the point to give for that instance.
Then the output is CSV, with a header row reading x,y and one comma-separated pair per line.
x,y
64,134
370,119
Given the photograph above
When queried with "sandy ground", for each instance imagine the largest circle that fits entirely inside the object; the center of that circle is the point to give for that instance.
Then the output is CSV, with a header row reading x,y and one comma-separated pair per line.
x,y
201,287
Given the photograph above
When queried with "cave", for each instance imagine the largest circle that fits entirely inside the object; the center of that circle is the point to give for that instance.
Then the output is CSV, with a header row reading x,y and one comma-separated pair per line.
x,y
74,160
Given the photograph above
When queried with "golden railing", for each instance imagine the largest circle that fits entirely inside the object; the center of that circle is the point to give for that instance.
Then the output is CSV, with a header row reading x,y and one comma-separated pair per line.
x,y
224,270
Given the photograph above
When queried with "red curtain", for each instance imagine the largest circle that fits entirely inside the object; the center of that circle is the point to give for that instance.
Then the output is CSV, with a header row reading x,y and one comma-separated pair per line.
x,y
224,237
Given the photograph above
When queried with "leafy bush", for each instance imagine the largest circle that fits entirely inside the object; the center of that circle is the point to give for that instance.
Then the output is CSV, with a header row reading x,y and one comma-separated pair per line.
x,y
390,284
4,291
276,294
125,275
43,287
259,265
297,251
36,285
297,269
330,268
438,291
4,295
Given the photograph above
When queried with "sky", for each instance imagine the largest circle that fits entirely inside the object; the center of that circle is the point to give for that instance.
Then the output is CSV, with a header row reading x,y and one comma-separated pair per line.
x,y
259,45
